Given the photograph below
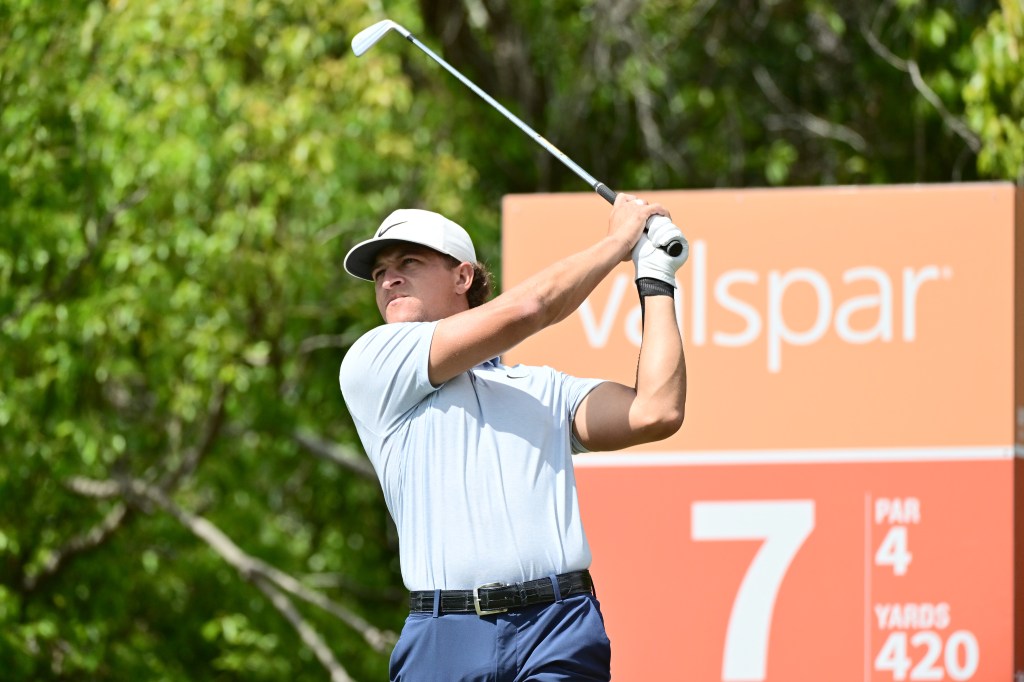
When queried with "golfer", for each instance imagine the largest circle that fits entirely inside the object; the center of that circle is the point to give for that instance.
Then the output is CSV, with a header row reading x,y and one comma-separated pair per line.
x,y
474,456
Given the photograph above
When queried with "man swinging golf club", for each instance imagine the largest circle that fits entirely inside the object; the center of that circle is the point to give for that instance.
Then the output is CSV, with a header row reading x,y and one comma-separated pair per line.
x,y
475,457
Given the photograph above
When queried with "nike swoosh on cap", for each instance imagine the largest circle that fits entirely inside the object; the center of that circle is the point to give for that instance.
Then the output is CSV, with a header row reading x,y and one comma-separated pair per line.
x,y
401,222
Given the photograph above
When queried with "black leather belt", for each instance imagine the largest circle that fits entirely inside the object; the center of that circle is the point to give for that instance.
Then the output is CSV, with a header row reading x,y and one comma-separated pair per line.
x,y
499,598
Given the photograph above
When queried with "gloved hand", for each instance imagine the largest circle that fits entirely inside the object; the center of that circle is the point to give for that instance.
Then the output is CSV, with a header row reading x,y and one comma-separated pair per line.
x,y
652,261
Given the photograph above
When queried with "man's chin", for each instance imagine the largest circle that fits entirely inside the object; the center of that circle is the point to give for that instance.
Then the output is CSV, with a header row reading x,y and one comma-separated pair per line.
x,y
399,312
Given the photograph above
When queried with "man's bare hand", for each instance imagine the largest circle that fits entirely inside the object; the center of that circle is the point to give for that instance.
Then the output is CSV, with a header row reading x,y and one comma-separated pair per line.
x,y
628,218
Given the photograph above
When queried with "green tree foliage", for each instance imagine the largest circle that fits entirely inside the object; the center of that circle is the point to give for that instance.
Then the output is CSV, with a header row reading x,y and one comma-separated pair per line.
x,y
994,95
179,183
705,94
182,495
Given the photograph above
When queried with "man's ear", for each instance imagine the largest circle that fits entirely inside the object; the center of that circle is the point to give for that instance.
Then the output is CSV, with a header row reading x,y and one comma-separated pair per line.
x,y
464,279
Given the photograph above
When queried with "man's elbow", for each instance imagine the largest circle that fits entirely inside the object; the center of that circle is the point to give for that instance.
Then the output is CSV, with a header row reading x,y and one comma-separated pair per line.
x,y
664,424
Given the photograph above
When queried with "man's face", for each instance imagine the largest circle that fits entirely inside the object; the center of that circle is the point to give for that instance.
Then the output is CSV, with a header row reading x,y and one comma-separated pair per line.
x,y
413,283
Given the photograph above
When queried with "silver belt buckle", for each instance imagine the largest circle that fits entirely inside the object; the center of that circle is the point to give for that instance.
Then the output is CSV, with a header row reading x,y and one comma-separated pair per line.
x,y
476,600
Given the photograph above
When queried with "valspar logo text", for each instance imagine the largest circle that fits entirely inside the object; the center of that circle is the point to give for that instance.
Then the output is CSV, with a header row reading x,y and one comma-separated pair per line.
x,y
863,304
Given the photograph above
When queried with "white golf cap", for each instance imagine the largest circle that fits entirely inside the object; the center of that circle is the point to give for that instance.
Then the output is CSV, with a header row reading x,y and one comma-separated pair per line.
x,y
414,226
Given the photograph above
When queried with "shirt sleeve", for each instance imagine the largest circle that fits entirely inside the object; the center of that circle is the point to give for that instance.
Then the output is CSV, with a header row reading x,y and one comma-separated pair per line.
x,y
386,373
575,390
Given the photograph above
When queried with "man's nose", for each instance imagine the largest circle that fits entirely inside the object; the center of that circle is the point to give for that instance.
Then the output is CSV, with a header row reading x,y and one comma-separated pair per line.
x,y
390,279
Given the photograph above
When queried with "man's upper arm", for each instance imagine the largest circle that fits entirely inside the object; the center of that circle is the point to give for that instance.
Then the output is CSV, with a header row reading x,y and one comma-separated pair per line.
x,y
463,341
603,420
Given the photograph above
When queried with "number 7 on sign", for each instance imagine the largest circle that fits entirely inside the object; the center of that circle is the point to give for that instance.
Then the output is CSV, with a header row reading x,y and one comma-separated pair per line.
x,y
784,526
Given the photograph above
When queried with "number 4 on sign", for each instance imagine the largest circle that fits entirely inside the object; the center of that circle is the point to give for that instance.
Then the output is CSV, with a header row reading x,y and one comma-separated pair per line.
x,y
784,526
894,552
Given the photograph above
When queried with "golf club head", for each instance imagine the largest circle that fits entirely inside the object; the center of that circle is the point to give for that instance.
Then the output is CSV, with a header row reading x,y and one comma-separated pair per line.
x,y
369,36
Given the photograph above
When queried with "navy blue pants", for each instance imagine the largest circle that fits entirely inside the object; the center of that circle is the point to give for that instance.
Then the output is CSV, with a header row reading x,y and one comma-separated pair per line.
x,y
561,641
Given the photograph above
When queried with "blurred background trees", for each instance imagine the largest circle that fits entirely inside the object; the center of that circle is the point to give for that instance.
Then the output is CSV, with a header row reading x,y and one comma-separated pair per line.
x,y
182,494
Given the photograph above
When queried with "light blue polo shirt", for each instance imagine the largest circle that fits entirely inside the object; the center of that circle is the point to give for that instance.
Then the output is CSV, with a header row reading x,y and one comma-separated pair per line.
x,y
477,473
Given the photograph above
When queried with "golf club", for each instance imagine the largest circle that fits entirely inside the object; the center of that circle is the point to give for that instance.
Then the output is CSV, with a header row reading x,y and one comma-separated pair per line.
x,y
369,36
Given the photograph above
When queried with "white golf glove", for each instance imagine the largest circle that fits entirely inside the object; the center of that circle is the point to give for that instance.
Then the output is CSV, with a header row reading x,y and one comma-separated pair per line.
x,y
652,261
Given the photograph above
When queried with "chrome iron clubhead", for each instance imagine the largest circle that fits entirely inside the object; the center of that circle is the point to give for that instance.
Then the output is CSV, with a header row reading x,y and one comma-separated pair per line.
x,y
369,36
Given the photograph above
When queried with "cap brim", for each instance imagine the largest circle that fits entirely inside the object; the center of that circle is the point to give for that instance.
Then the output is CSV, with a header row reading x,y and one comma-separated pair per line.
x,y
360,258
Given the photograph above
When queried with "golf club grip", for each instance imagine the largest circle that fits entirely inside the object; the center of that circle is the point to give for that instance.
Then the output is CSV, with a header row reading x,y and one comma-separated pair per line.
x,y
673,248
606,192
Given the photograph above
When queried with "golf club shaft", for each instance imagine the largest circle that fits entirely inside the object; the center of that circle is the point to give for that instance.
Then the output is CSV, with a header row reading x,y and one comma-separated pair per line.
x,y
594,183
366,38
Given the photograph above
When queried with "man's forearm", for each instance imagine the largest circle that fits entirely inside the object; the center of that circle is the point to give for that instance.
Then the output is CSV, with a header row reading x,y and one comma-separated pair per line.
x,y
661,372
561,288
